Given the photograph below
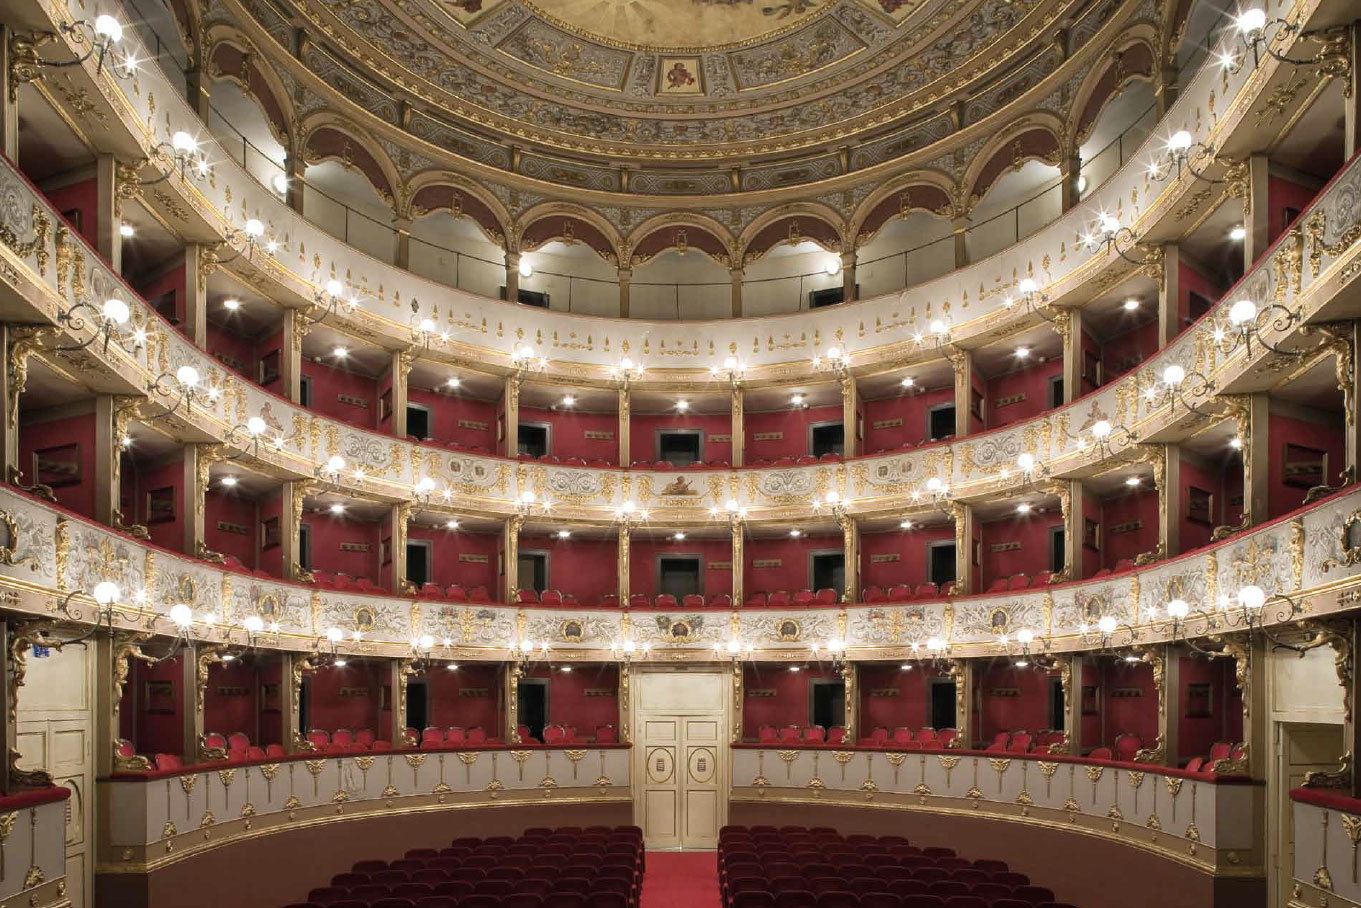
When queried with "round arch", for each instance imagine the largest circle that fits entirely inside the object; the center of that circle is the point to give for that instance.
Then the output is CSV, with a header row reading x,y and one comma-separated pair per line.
x,y
681,231
792,224
1034,136
568,223
926,190
327,136
431,191
1128,62
232,56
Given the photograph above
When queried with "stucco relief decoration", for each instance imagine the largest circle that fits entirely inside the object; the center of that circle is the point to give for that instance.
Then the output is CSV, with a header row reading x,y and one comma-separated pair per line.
x,y
785,485
900,625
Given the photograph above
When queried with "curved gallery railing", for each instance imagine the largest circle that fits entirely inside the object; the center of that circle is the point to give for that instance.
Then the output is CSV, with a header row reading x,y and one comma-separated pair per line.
x,y
33,847
1197,818
53,272
1305,563
154,816
1327,829
304,259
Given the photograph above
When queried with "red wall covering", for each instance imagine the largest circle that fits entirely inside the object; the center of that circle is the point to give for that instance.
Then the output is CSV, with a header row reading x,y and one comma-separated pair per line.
x,y
567,432
907,709
1130,346
448,410
909,545
1136,715
1031,531
328,531
271,558
794,572
171,281
1211,478
643,555
586,568
150,477
364,681
1195,734
792,703
1012,699
587,696
229,507
1032,380
1283,195
229,700
448,545
79,204
154,732
1283,430
468,696
909,406
234,350
268,344
1125,507
1191,280
644,426
793,423
328,382
55,433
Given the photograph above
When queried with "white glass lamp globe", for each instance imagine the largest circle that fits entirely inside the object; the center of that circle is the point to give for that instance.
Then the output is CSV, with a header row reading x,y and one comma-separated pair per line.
x,y
1027,286
1251,21
254,623
183,142
1110,224
187,376
115,311
1025,637
1026,461
1106,625
108,28
1178,609
1101,429
1242,312
254,228
256,426
426,641
334,287
105,593
334,634
1251,597
335,463
1180,140
939,328
181,615
1174,375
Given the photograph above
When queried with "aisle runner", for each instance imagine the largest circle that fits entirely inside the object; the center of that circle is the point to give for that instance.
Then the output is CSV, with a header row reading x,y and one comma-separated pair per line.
x,y
681,879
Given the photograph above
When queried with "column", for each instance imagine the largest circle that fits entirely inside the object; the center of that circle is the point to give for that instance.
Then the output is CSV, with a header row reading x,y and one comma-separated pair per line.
x,y
1069,327
625,277
401,253
9,100
1256,455
848,414
1070,172
1169,714
1070,676
108,452
1254,652
962,361
964,533
1170,506
106,707
625,719
289,694
1256,211
1351,639
1166,89
960,226
198,462
399,671
293,172
1352,444
850,679
9,396
196,92
290,523
110,240
848,276
399,515
850,543
739,432
1169,295
401,372
511,400
963,671
191,725
737,275
511,697
510,538
1072,529
195,295
513,276
290,353
1351,104
623,427
622,565
738,562
738,699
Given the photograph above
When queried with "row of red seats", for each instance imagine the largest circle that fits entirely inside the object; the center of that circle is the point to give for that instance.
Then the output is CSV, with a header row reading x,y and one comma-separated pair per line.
x,y
907,739
569,867
567,734
801,460
782,598
666,466
1219,751
456,592
798,734
556,598
792,867
597,462
903,593
1020,582
125,750
1023,742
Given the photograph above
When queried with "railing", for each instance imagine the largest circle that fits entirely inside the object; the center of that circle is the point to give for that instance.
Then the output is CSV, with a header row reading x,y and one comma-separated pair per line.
x,y
1327,828
33,847
202,807
369,232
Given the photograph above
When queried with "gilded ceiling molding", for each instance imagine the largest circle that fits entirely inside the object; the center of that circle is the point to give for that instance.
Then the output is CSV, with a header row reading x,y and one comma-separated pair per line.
x,y
1128,62
326,136
1037,135
926,190
566,222
233,57
793,224
682,231
431,191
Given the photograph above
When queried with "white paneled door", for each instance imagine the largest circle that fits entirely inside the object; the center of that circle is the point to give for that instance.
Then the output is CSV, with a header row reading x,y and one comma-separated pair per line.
x,y
680,734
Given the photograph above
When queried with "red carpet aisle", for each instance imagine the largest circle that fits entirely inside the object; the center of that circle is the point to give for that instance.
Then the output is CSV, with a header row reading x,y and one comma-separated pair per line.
x,y
681,879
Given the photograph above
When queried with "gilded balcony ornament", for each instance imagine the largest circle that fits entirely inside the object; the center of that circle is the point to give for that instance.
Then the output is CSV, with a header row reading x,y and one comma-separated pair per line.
x,y
816,786
974,794
869,788
1173,784
292,804
494,788
1351,825
36,247
169,831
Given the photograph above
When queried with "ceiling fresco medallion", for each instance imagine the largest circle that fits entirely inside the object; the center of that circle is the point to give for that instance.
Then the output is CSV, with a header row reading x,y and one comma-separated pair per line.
x,y
675,24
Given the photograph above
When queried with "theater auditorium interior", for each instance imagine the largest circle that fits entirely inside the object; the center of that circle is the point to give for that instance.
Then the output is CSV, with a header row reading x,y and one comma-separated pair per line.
x,y
582,453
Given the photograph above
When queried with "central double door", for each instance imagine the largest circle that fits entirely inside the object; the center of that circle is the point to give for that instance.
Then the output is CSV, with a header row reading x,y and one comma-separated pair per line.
x,y
680,750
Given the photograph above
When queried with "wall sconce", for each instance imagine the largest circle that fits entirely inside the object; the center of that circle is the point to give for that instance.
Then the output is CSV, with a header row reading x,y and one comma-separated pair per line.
x,y
1110,234
1247,320
1259,33
833,504
731,511
627,650
835,360
732,649
626,371
107,320
731,371
629,514
1176,386
1033,299
248,434
183,385
524,359
330,299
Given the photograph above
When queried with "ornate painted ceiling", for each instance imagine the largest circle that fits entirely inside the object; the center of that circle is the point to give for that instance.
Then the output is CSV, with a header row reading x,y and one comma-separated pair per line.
x,y
685,80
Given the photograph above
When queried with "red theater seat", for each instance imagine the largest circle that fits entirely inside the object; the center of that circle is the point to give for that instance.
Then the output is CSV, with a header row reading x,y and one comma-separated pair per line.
x,y
1126,746
804,597
456,593
927,590
551,597
666,600
1100,753
1018,582
526,596
606,734
872,594
721,600
836,734
767,734
778,599
998,585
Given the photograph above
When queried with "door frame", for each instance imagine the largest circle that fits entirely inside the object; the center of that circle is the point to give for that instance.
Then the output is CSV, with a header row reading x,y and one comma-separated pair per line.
x,y
723,749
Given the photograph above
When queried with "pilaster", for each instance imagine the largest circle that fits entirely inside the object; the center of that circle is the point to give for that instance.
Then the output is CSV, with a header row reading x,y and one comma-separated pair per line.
x,y
1169,295
1256,458
295,328
510,536
738,560
1072,530
191,714
290,525
962,361
1256,211
513,277
959,227
400,366
622,565
848,414
9,99
739,432
1170,505
1070,172
964,533
399,516
964,674
196,294
1351,102
108,454
1070,330
511,400
107,234
848,293
401,252
737,275
625,278
623,427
